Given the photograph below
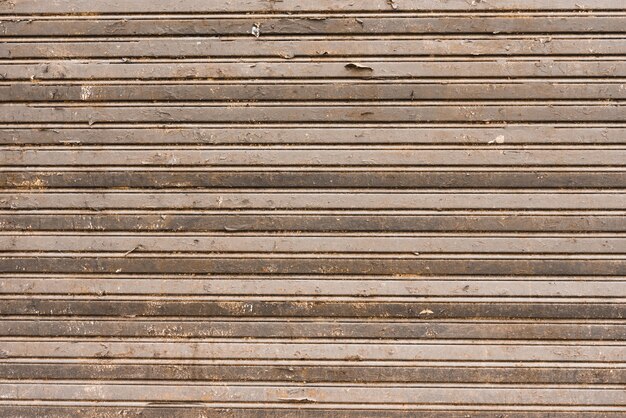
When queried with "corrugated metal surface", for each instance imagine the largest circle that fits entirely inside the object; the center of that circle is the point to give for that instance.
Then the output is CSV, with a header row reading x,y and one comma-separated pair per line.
x,y
312,208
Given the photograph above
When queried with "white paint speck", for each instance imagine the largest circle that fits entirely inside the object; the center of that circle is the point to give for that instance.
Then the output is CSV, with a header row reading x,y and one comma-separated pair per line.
x,y
256,30
85,92
499,140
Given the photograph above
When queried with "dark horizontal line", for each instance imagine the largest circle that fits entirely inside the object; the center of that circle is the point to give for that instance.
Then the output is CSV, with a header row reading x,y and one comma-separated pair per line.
x,y
573,12
322,37
297,124
276,102
322,15
339,103
258,341
278,34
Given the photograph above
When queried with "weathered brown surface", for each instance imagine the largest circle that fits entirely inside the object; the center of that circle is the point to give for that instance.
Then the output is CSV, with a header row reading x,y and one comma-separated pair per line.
x,y
255,209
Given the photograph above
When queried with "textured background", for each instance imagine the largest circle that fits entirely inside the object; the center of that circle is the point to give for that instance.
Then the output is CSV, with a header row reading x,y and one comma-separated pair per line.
x,y
304,209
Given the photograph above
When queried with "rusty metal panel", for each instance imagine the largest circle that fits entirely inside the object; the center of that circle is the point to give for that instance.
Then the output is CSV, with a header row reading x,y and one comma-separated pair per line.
x,y
253,208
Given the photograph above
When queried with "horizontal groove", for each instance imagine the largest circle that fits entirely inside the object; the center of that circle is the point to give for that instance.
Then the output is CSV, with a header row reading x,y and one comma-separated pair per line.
x,y
311,104
282,409
19,236
333,61
298,405
298,299
309,147
349,374
335,14
340,384
558,125
598,101
41,80
339,61
564,102
189,8
56,128
28,53
381,278
320,328
342,191
469,212
327,36
34,170
391,33
323,363
302,323
317,103
325,255
508,80
296,322
525,81
616,55
12,34
261,341
317,15
128,62
299,212
346,190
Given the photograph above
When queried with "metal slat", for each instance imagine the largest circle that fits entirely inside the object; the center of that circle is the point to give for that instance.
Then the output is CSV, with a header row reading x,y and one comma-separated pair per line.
x,y
314,24
198,6
204,47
